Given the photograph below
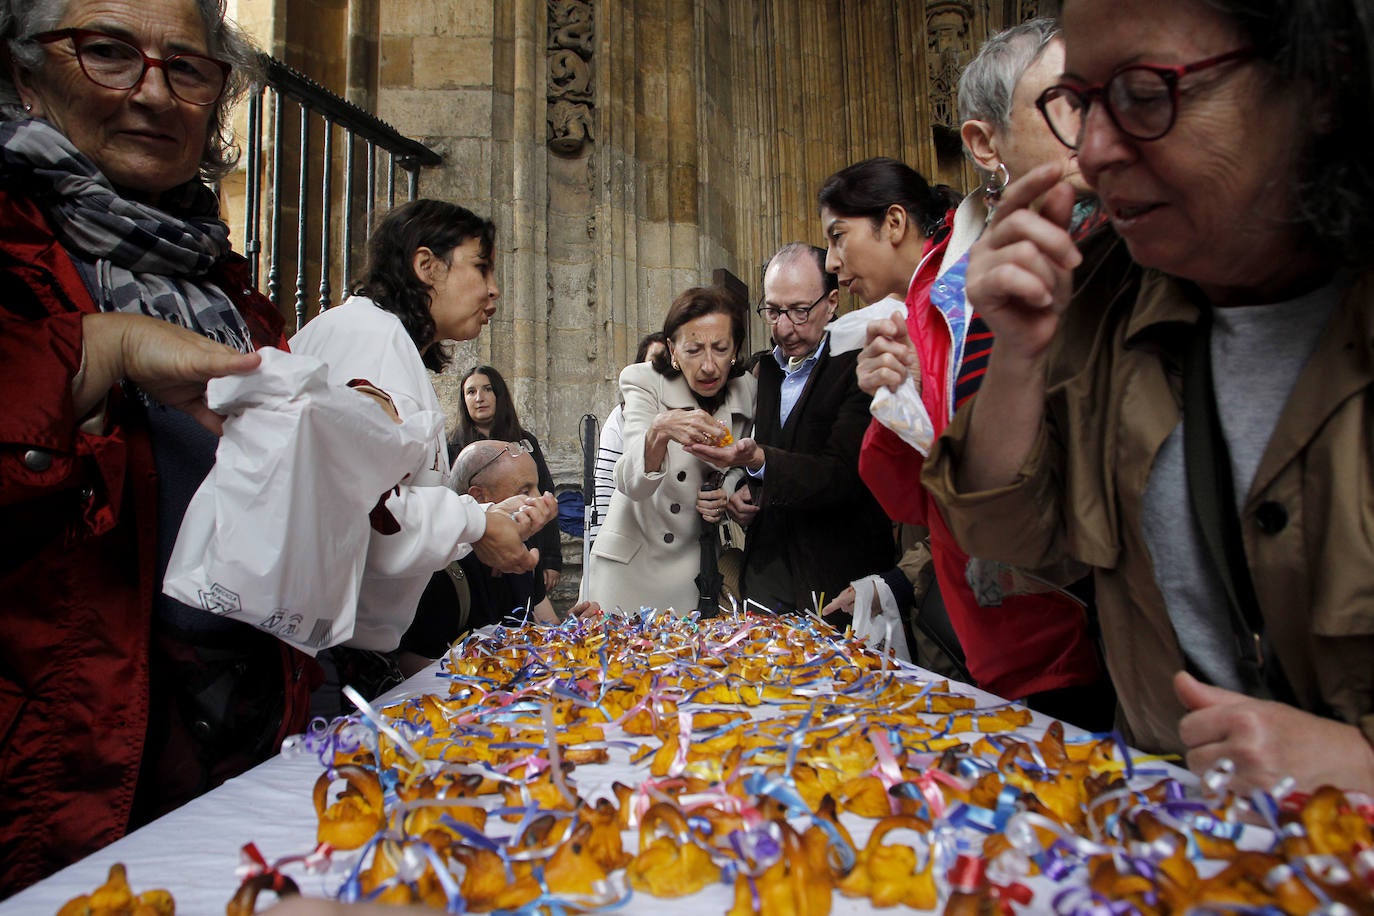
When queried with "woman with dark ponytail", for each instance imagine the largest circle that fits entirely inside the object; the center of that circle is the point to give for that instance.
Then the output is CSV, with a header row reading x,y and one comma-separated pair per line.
x,y
893,239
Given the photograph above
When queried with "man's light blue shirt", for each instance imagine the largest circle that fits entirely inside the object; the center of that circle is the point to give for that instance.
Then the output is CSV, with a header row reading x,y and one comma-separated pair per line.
x,y
792,385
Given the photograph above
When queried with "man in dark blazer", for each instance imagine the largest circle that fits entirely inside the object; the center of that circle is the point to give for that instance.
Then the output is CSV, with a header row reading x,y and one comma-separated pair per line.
x,y
813,527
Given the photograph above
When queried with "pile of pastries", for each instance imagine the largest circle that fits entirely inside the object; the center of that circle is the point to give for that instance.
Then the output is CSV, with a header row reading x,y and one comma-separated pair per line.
x,y
116,898
568,769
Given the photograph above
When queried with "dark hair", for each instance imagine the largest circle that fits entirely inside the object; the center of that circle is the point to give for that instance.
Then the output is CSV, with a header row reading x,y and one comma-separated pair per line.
x,y
649,340
698,302
1323,48
752,361
505,423
389,278
868,188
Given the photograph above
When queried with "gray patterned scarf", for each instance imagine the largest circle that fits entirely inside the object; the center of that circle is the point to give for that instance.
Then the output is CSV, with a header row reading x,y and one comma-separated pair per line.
x,y
133,257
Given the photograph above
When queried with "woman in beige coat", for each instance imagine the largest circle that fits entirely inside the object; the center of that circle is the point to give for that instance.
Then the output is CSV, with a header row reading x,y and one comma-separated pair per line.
x,y
647,553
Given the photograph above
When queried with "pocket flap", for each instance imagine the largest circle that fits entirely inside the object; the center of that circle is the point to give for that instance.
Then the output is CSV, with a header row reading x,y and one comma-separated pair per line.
x,y
612,545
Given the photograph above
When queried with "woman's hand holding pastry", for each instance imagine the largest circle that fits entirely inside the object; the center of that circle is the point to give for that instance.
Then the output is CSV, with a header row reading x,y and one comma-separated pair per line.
x,y
742,453
888,356
689,427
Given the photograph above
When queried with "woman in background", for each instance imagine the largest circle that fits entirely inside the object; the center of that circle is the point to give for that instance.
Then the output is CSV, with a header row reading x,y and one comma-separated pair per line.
x,y
489,413
648,552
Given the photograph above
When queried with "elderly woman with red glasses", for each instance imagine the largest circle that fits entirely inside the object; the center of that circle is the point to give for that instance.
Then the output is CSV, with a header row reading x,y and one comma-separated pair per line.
x,y
121,297
1187,406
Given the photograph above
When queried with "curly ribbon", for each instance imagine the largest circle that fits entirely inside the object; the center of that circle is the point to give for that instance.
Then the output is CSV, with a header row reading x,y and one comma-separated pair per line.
x,y
927,787
611,898
966,875
381,724
1009,896
252,863
860,717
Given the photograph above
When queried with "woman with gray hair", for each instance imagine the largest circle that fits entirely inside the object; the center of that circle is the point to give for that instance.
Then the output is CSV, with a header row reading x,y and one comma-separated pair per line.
x,y
1052,661
121,297
1004,135
1186,404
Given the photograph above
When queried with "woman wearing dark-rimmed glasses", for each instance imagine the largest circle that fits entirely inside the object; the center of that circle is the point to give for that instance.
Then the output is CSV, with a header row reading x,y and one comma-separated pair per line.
x,y
118,703
1188,406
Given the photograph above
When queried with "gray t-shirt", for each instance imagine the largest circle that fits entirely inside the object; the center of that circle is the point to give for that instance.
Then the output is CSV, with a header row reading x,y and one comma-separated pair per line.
x,y
1257,353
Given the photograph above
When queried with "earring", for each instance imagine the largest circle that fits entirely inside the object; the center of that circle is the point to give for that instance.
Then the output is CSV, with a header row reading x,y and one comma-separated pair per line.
x,y
995,185
676,367
732,360
28,106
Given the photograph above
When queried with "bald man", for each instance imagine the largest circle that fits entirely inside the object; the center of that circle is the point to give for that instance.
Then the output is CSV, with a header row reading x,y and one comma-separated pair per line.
x,y
489,471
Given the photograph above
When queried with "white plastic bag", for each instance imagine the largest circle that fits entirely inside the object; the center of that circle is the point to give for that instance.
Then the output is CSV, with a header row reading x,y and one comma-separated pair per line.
x,y
850,330
277,534
882,630
905,414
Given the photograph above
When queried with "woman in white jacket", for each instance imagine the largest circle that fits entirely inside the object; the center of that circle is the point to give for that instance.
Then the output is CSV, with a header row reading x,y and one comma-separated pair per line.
x,y
647,553
429,278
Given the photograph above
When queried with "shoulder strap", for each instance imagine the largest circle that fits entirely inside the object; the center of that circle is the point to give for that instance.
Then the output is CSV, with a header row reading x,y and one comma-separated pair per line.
x,y
1211,492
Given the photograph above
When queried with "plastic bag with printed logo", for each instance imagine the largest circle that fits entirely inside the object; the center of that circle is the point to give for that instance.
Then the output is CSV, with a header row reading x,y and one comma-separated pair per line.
x,y
277,534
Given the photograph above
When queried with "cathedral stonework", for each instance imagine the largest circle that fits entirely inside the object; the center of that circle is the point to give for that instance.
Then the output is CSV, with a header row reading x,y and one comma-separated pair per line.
x,y
570,76
628,149
947,37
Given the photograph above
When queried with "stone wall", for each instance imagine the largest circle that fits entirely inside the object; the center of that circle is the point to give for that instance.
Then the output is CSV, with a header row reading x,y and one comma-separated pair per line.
x,y
628,148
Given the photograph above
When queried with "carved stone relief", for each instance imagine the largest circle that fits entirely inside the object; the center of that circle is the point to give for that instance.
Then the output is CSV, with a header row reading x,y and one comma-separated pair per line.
x,y
570,76
947,35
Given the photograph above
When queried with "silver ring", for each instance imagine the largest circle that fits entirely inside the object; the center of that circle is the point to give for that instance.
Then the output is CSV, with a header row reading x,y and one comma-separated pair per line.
x,y
513,519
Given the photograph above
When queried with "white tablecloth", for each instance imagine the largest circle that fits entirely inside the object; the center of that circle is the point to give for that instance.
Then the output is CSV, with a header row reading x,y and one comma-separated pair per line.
x,y
194,851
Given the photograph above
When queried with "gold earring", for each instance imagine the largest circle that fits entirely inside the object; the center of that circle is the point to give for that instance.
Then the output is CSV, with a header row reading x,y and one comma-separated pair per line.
x,y
676,367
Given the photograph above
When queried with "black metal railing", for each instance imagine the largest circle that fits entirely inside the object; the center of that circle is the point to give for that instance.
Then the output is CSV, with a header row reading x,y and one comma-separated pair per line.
x,y
320,111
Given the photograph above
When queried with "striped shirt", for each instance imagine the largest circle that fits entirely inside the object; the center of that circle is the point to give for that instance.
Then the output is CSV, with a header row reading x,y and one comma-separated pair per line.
x,y
977,349
608,452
